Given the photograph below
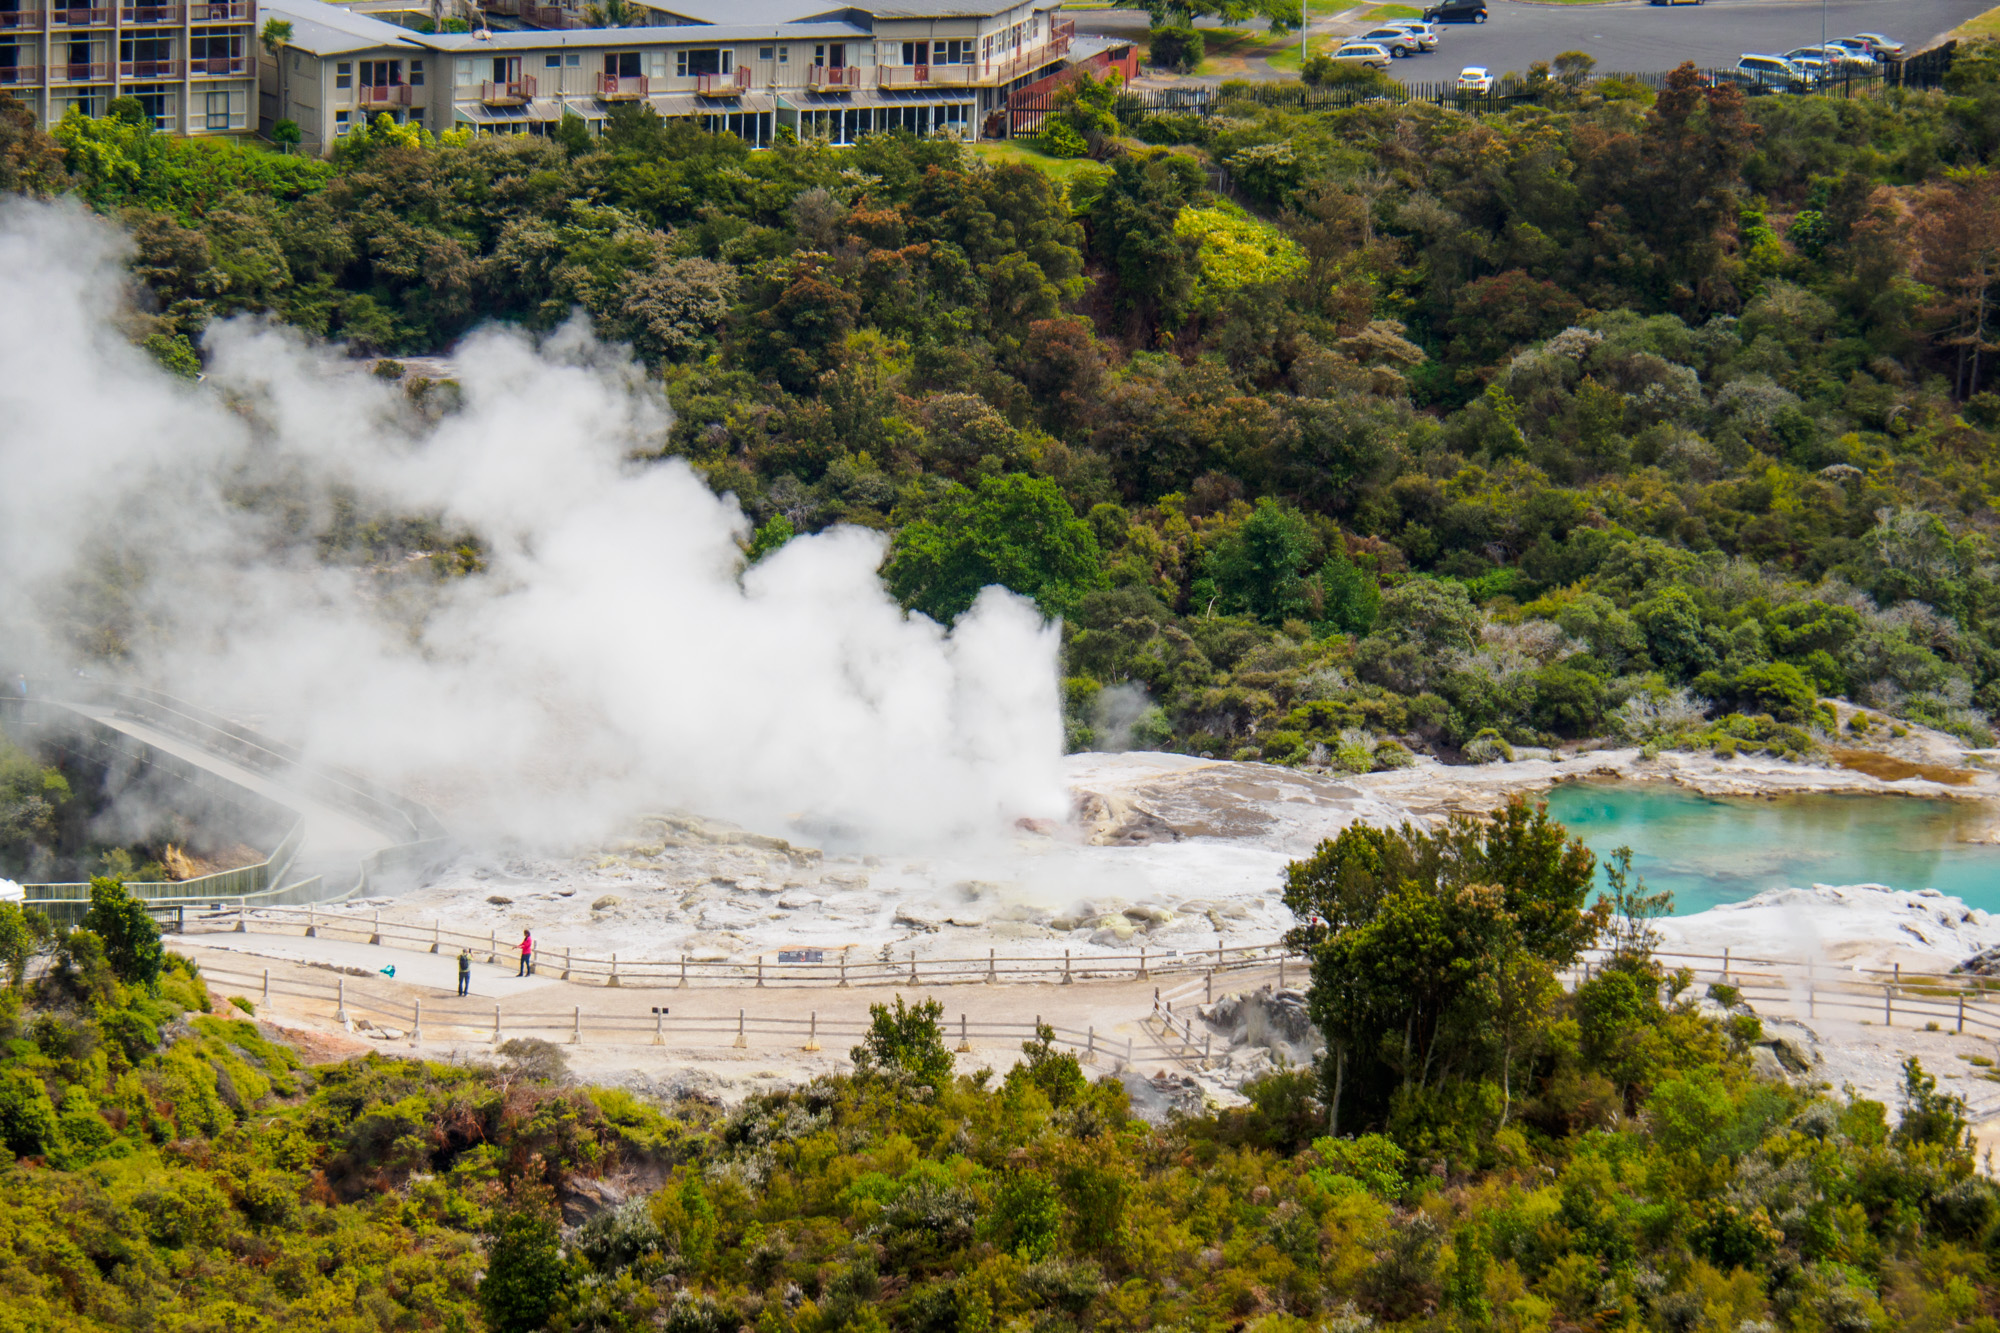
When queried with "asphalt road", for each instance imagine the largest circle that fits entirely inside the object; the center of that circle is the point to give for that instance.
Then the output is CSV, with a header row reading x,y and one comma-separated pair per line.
x,y
1644,38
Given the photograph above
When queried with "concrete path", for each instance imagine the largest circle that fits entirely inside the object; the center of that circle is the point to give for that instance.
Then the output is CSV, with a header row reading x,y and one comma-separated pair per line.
x,y
424,973
335,840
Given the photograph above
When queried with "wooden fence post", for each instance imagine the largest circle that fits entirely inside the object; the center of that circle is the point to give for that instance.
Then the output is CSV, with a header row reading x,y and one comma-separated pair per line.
x,y
1888,1006
576,1026
843,969
566,968
496,1025
267,997
1066,977
340,1004
913,967
1142,962
760,971
659,1025
992,977
312,922
1961,1009
614,971
436,929
1090,1049
1281,971
492,946
242,920
964,1045
741,1043
1725,965
684,971
812,1032
417,1024
375,935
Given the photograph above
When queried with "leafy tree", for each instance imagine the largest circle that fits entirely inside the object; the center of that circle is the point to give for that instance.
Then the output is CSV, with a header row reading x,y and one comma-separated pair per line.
x,y
1057,1074
1014,530
24,932
131,939
906,1040
526,1278
1258,565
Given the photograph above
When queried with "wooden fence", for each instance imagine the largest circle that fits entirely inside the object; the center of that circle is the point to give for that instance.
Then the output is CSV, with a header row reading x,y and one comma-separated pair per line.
x,y
831,967
417,1021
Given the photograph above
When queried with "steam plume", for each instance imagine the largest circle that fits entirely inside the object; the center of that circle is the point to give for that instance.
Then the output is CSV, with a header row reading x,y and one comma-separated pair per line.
x,y
614,656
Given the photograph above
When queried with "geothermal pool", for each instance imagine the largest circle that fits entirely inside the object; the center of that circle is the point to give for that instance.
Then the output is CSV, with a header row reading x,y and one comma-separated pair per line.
x,y
1715,850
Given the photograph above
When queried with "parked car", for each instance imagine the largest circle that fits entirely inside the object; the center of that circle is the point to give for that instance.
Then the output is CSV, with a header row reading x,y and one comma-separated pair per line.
x,y
1881,46
1812,61
1772,71
1426,35
1855,51
1676,2
1399,42
1475,79
1833,55
1456,11
1372,54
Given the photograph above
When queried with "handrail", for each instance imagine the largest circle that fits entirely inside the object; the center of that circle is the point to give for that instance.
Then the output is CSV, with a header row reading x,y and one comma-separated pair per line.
x,y
493,1021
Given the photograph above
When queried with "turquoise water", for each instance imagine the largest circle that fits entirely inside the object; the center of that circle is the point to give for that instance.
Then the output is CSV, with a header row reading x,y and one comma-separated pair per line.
x,y
1712,850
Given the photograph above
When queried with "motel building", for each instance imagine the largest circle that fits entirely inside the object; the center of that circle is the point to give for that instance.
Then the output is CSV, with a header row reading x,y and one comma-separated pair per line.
x,y
746,67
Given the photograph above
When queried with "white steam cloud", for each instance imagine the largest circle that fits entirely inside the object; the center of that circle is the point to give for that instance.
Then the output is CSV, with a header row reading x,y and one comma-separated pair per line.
x,y
614,657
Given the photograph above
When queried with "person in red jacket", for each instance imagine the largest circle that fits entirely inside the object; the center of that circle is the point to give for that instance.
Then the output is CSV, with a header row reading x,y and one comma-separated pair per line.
x,y
527,955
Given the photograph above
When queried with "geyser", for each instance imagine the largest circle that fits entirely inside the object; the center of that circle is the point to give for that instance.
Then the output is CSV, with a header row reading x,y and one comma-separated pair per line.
x,y
614,655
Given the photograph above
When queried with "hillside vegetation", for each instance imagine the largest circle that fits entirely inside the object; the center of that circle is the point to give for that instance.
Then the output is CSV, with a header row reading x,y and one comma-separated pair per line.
x,y
1605,1160
1659,417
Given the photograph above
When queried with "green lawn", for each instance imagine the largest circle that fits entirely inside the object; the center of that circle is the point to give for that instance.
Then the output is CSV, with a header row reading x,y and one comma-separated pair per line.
x,y
1021,151
1986,25
1228,48
1383,13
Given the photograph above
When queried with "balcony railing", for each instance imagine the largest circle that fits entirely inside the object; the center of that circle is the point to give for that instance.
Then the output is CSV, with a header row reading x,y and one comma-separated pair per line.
x,y
829,78
721,85
553,17
926,76
146,14
623,87
514,92
384,94
14,74
218,67
78,71
82,18
505,8
149,69
20,18
219,13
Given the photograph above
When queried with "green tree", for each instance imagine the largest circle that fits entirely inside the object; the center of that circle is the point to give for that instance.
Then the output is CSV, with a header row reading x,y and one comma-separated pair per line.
x,y
1258,565
906,1040
24,932
526,1278
1015,531
1058,1074
131,939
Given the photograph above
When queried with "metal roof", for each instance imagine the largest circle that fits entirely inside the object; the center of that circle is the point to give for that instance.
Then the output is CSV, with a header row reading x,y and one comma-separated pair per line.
x,y
326,30
462,43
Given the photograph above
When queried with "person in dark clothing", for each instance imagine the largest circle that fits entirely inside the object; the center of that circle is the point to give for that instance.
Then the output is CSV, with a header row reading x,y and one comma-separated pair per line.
x,y
464,972
527,955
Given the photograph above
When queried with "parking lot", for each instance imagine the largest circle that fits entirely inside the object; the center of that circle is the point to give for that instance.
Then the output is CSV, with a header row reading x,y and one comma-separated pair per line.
x,y
1633,37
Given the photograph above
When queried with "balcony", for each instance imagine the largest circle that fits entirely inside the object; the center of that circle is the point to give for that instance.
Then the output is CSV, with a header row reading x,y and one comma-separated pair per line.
x,y
372,95
81,72
219,67
219,13
20,18
145,15
833,79
149,69
553,17
1061,33
516,92
81,18
623,88
504,8
17,74
722,85
894,77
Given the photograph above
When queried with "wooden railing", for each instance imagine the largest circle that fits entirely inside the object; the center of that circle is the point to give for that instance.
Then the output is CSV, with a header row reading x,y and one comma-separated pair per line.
x,y
97,71
722,85
623,87
149,69
511,93
829,78
149,13
383,94
219,13
462,1020
81,18
10,74
825,967
21,18
218,67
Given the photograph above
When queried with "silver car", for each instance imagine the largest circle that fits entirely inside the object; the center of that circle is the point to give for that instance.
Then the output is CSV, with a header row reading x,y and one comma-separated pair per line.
x,y
1399,42
1426,35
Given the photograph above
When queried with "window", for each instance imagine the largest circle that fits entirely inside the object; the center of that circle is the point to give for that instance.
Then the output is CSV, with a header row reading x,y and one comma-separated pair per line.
x,y
951,53
986,51
574,60
831,55
622,64
343,121
916,53
218,112
767,53
709,61
462,74
381,73
159,104
343,75
784,55
416,73
552,62
219,50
